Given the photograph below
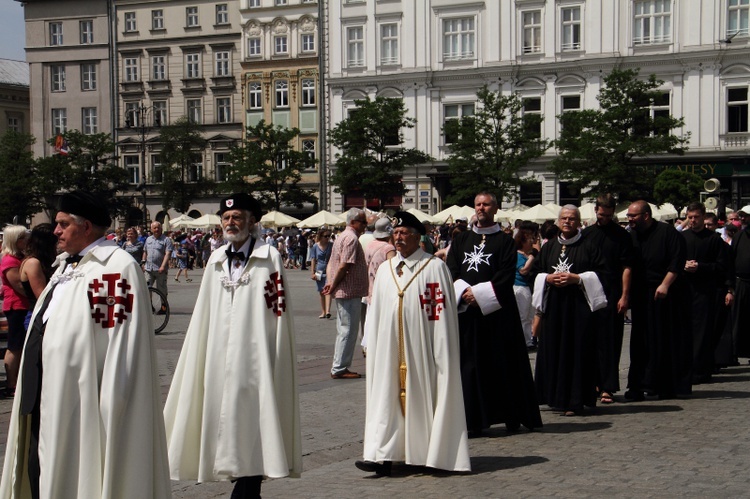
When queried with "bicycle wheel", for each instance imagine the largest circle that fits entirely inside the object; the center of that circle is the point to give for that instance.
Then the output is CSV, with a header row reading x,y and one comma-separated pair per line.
x,y
159,309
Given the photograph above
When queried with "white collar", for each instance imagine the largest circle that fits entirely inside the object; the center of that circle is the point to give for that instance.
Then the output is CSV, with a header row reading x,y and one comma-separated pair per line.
x,y
492,229
570,241
411,260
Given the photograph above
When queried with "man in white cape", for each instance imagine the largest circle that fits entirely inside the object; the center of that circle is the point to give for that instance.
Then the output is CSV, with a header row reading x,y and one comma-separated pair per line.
x,y
415,410
86,418
232,412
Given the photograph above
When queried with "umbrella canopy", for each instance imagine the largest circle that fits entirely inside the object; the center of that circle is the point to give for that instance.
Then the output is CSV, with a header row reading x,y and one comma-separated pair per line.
x,y
207,220
453,212
421,216
536,214
181,222
667,211
588,212
655,212
368,213
277,219
553,206
320,219
504,216
165,225
745,209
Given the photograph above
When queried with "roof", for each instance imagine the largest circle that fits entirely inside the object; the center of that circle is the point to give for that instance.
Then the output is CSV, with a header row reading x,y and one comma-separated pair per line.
x,y
14,72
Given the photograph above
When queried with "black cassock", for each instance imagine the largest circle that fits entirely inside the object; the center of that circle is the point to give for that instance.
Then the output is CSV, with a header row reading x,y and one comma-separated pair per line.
x,y
616,246
741,308
708,286
661,345
566,367
495,372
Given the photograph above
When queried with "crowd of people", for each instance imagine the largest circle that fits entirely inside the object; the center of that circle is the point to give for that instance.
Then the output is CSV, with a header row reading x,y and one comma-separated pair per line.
x,y
446,317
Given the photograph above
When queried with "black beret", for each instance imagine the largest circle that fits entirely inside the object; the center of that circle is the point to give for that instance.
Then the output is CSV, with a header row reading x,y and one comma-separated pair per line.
x,y
88,205
241,201
406,219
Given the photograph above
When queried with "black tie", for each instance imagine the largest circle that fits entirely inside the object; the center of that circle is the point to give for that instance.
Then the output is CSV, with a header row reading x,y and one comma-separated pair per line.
x,y
239,255
73,260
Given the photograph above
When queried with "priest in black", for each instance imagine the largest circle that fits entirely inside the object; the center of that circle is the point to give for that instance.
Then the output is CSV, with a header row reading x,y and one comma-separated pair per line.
x,y
616,246
706,267
495,371
741,309
567,291
661,344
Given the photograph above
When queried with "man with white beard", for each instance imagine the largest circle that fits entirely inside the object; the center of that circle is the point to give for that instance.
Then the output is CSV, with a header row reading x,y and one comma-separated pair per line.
x,y
232,412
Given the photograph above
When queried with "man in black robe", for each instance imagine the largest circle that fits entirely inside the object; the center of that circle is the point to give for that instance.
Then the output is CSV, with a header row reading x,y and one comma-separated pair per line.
x,y
705,267
741,309
661,345
495,371
616,247
724,348
567,290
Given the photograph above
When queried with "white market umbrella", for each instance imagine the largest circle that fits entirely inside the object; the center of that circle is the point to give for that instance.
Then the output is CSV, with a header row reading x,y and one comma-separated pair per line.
x,y
165,224
181,222
538,214
667,211
320,219
656,214
745,209
504,216
277,219
368,213
554,207
421,216
453,212
208,220
588,212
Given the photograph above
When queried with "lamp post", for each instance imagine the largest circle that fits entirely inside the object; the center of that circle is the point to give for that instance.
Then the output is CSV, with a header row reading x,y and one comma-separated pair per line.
x,y
137,119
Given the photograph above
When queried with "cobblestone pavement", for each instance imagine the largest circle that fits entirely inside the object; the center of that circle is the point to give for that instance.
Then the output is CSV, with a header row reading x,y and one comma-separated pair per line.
x,y
697,447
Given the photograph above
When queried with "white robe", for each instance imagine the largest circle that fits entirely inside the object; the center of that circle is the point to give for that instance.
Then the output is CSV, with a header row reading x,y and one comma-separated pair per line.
x,y
433,432
233,407
101,431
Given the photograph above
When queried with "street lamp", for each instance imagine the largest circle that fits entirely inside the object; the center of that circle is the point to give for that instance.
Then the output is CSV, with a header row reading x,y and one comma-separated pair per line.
x,y
137,119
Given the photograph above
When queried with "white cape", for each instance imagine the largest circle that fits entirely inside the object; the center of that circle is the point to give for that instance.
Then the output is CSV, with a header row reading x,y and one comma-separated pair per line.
x,y
433,432
233,408
101,431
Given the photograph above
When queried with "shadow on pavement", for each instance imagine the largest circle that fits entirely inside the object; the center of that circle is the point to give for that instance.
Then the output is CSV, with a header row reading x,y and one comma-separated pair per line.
x,y
637,408
720,394
728,379
489,464
573,426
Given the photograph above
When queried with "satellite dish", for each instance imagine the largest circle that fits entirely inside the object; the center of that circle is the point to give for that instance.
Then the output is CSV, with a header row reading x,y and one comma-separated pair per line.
x,y
711,203
711,185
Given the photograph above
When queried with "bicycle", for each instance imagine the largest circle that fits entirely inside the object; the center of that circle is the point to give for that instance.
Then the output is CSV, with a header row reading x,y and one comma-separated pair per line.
x,y
159,309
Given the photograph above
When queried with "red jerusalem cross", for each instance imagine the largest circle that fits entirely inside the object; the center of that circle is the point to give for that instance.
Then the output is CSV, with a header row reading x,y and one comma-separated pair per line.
x,y
116,295
274,294
432,301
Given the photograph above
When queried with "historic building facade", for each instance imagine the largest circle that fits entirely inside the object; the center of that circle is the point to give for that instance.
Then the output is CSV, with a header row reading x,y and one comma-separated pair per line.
x,y
14,96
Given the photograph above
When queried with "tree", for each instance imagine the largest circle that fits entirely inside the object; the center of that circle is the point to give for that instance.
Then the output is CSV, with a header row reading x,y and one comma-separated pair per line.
x,y
268,164
488,149
182,178
18,174
677,187
372,158
597,147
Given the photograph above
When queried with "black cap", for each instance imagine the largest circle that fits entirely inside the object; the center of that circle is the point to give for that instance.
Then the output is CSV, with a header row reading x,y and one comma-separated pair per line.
x,y
88,205
406,219
241,201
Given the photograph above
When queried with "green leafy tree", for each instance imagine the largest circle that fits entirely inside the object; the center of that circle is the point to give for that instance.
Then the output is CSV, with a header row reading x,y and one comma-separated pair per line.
x,y
488,149
267,164
18,174
597,147
372,158
677,187
180,157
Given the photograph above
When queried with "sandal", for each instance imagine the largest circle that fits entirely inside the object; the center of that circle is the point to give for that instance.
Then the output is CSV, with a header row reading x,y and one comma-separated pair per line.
x,y
606,398
322,316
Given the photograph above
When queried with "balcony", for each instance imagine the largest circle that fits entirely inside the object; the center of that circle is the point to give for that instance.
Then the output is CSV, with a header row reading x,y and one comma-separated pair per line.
x,y
734,140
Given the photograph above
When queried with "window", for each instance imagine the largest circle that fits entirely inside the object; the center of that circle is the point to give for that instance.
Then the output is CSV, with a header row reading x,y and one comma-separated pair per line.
x,y
160,112
191,14
308,147
194,112
280,45
55,33
458,39
89,120
532,117
158,67
130,24
355,43
452,114
59,121
568,103
221,165
308,92
253,47
87,32
157,19
133,167
58,78
571,28
308,42
132,114
653,22
737,104
253,3
223,110
222,64
222,14
192,66
14,123
389,44
281,2
254,95
88,77
282,93
131,69
737,18
195,169
532,31
157,174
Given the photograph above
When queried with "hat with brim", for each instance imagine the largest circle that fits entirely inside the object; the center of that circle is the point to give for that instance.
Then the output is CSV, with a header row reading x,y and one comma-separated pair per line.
x,y
406,219
383,229
88,205
241,201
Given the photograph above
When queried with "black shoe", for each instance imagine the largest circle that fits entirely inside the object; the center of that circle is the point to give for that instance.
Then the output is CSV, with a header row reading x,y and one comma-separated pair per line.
x,y
634,396
377,468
